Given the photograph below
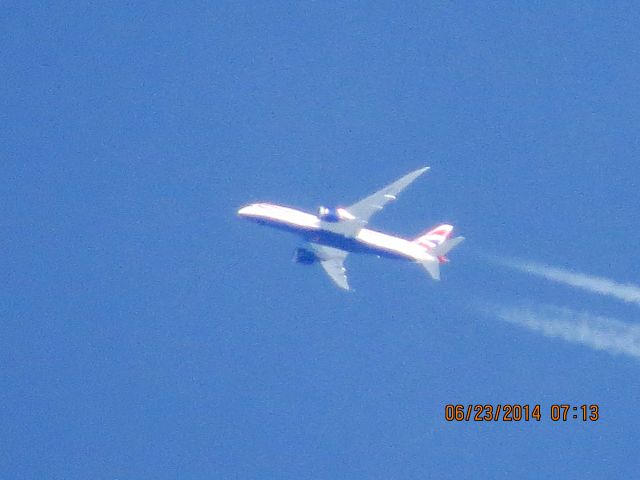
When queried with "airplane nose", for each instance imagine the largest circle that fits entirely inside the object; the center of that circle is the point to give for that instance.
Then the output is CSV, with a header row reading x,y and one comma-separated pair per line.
x,y
244,211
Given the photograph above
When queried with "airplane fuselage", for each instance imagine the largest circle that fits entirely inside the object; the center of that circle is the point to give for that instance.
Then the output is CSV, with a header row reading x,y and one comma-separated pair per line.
x,y
313,229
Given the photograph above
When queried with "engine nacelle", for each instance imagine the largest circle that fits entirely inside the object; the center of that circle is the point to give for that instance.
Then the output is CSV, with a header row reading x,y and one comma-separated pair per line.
x,y
304,256
333,215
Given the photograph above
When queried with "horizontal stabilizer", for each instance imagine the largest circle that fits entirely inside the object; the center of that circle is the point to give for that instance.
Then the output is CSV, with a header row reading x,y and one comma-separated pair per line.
x,y
446,246
432,267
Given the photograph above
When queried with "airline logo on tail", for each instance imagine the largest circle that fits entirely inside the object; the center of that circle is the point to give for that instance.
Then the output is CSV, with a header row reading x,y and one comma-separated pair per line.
x,y
435,237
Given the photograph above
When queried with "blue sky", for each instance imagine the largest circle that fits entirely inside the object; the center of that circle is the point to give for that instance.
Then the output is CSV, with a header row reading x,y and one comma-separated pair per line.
x,y
147,332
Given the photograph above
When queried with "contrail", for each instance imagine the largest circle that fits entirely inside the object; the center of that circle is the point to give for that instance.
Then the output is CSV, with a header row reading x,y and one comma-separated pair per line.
x,y
599,333
603,286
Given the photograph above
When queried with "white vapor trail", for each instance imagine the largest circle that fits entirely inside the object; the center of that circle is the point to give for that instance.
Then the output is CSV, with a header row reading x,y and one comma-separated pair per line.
x,y
603,286
599,333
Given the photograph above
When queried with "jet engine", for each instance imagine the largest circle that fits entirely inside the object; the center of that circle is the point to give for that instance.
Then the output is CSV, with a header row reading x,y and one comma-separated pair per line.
x,y
304,256
333,215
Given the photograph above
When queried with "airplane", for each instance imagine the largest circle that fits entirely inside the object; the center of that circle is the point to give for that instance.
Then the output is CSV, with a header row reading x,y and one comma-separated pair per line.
x,y
335,232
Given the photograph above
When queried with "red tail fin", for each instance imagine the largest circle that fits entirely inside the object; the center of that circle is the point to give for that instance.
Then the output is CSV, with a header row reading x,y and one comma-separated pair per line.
x,y
435,237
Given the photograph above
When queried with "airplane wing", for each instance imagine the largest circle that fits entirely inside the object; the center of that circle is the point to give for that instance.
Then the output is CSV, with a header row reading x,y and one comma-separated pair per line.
x,y
332,260
364,209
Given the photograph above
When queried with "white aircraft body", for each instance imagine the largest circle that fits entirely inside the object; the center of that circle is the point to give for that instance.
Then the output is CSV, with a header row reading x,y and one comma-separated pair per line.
x,y
335,232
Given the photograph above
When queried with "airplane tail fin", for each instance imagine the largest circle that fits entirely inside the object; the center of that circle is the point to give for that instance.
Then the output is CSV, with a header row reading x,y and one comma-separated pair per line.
x,y
434,237
437,242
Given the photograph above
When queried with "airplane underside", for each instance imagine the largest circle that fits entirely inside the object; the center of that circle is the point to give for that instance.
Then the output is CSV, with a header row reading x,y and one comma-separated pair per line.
x,y
335,240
